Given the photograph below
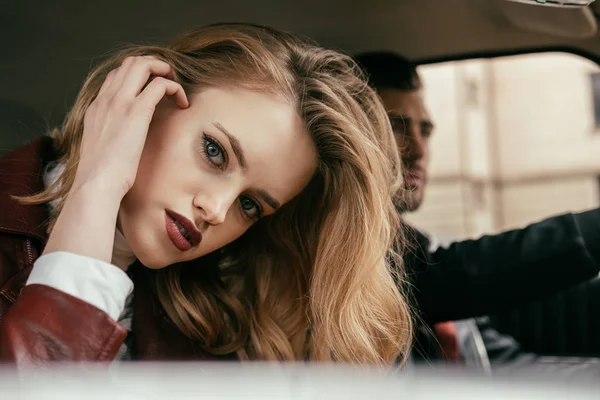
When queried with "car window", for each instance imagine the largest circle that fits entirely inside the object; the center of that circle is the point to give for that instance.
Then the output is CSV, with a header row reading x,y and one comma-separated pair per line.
x,y
516,140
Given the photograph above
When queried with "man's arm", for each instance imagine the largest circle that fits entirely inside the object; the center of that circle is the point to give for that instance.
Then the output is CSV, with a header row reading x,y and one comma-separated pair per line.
x,y
483,276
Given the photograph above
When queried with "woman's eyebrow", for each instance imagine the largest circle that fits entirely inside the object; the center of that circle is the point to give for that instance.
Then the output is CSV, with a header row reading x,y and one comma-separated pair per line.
x,y
274,204
235,145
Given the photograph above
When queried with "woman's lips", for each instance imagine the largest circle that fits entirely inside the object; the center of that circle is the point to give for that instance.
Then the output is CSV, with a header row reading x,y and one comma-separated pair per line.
x,y
182,232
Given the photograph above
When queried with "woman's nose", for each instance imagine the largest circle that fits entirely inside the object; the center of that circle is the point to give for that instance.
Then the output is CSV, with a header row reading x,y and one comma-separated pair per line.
x,y
214,206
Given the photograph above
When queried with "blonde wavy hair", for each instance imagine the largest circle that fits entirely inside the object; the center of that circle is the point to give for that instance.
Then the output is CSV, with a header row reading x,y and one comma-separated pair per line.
x,y
320,279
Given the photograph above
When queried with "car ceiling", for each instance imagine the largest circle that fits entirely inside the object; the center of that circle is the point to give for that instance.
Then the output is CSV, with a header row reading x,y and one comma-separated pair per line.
x,y
48,46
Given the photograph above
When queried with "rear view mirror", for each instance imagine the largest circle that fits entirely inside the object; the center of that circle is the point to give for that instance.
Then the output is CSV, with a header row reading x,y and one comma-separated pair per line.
x,y
557,3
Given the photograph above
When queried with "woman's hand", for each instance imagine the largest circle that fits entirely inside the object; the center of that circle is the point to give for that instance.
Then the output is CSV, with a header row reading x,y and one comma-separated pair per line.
x,y
116,123
115,129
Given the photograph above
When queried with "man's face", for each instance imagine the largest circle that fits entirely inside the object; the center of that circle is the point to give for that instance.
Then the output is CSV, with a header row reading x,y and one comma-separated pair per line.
x,y
412,127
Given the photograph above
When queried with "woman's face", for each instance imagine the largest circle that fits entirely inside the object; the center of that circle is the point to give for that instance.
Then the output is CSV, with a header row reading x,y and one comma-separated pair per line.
x,y
209,172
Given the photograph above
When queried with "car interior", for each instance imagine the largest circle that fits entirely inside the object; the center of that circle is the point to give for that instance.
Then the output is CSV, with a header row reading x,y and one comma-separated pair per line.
x,y
49,46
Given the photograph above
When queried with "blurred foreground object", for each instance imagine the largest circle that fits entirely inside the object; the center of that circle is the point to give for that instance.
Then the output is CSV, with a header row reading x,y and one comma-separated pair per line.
x,y
271,381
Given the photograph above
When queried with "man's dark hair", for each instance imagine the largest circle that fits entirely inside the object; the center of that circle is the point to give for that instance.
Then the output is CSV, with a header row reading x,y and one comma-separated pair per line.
x,y
387,70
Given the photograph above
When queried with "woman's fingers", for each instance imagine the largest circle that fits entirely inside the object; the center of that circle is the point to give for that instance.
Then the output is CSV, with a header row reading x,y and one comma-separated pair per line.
x,y
139,84
108,81
158,88
133,75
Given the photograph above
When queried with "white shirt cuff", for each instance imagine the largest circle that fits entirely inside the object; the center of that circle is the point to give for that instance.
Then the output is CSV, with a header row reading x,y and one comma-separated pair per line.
x,y
96,282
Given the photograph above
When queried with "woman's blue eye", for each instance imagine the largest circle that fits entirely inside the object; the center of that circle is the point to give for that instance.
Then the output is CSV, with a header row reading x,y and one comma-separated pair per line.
x,y
247,204
250,208
214,152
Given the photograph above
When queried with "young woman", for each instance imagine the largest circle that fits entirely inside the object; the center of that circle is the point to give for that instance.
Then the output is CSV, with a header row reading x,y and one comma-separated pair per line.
x,y
207,199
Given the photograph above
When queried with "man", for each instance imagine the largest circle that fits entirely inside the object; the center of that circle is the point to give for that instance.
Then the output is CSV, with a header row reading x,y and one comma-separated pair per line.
x,y
397,82
399,86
